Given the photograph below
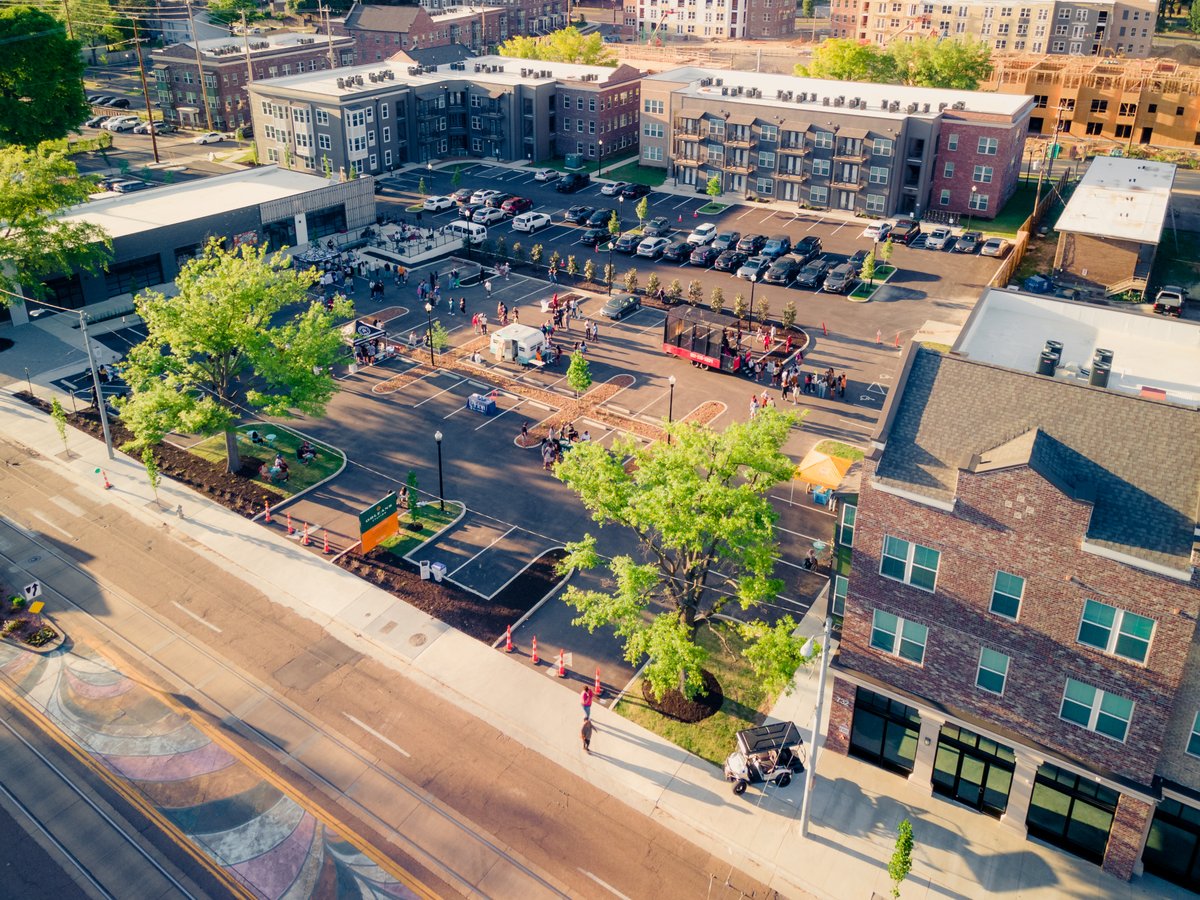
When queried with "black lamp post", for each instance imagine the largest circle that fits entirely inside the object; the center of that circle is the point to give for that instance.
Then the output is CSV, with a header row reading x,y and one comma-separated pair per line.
x,y
670,407
437,436
429,331
600,158
971,207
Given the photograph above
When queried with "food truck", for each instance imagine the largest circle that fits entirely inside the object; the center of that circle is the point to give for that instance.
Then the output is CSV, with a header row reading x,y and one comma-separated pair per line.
x,y
518,343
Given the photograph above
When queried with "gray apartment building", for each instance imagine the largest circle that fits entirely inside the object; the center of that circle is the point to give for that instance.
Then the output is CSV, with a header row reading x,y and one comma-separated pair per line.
x,y
873,149
374,118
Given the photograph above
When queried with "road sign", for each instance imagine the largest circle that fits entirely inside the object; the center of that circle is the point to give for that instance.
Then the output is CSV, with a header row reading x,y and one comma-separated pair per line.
x,y
32,591
378,521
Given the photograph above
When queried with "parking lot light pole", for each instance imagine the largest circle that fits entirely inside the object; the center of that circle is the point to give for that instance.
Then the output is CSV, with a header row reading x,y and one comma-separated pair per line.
x,y
429,331
810,770
600,158
670,407
437,436
970,208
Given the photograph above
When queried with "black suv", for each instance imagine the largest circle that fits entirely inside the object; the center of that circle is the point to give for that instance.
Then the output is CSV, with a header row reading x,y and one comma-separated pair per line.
x,y
812,276
628,242
600,218
635,191
842,279
807,248
752,243
572,182
782,271
579,214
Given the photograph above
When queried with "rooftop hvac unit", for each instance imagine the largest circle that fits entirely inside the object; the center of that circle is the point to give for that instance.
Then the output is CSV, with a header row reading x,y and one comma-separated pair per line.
x,y
894,106
779,95
341,83
705,82
787,95
942,107
961,104
718,81
925,108
839,101
724,92
824,101
478,67
912,108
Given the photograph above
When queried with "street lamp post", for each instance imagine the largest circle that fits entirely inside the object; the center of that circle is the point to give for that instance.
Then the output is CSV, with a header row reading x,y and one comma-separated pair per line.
x,y
600,158
612,243
811,768
437,436
971,207
670,407
429,331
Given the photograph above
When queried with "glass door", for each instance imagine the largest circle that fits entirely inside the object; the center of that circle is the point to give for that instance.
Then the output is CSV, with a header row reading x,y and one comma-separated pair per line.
x,y
969,787
973,770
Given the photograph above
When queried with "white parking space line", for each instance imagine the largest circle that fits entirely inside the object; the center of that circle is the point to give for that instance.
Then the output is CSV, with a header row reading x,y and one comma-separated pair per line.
x,y
767,218
502,412
815,224
683,203
439,393
839,228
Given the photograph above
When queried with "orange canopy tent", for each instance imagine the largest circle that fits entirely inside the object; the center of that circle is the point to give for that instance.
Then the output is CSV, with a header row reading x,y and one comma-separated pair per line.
x,y
823,470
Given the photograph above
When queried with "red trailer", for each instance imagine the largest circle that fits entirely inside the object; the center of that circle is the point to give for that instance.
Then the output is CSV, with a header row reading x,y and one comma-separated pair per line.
x,y
703,338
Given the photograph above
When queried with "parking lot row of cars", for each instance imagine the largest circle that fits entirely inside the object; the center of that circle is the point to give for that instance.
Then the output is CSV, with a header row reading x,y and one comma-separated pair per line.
x,y
906,231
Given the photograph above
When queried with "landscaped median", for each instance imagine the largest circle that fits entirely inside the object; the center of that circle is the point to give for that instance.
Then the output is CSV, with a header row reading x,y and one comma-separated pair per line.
x,y
866,290
276,440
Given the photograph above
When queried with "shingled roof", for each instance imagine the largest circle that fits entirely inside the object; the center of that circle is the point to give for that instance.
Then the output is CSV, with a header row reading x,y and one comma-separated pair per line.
x,y
398,19
1137,460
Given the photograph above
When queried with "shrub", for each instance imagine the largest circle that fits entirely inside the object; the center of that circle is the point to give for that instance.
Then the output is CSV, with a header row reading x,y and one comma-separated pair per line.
x,y
675,291
589,271
717,300
43,635
631,281
653,284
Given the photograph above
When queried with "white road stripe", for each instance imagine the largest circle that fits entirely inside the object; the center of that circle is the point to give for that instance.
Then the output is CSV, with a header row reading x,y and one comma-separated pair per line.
x,y
188,612
604,884
371,731
483,551
439,393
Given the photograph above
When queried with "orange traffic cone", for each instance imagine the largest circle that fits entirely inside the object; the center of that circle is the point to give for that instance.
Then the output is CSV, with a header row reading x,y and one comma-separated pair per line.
x,y
824,330
508,644
562,664
326,550
267,512
104,479
304,539
291,530
598,690
535,656
897,340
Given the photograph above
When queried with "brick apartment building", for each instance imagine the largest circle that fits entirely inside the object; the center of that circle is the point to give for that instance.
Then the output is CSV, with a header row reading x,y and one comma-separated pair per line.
x,y
372,119
674,20
1066,27
1114,102
227,72
876,149
1020,620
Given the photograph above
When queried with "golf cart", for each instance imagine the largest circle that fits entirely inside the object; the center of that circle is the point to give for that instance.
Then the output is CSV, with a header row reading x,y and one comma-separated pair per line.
x,y
766,753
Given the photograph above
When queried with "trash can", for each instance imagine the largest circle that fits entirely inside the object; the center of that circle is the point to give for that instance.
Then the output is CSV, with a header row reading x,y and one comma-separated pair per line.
x,y
439,571
424,570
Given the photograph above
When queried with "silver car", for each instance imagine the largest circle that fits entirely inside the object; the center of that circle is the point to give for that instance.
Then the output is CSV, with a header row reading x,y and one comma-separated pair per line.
x,y
754,268
939,239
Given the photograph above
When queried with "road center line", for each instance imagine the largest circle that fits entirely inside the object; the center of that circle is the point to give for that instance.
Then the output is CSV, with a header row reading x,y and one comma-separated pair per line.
x,y
188,612
371,731
604,884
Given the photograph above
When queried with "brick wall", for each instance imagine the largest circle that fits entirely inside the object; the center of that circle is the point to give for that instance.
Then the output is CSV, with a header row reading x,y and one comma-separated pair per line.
x,y
1104,261
1175,763
841,714
1005,164
1015,520
1127,836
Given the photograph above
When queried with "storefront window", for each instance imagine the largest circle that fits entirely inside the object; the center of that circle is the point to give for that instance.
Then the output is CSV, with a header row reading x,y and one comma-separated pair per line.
x,y
1173,845
1071,812
884,731
973,770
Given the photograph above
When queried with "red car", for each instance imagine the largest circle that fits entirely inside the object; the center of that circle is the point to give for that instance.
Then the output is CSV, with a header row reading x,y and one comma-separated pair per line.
x,y
515,205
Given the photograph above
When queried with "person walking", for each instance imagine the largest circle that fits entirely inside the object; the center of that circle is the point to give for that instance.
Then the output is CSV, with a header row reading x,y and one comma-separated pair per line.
x,y
487,288
585,700
585,734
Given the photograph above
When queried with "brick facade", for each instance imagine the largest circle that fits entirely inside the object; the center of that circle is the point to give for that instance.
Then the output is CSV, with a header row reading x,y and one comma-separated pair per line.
x,y
965,134
1127,836
841,715
600,111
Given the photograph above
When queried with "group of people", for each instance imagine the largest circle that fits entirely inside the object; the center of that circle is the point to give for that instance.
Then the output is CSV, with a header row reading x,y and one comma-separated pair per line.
x,y
276,472
792,381
366,353
479,323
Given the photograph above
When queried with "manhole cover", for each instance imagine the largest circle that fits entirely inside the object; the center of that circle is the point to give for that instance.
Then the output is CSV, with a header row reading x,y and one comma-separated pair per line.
x,y
417,640
32,560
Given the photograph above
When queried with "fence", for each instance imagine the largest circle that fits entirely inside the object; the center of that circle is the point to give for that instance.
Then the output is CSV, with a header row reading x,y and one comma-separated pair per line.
x,y
1021,244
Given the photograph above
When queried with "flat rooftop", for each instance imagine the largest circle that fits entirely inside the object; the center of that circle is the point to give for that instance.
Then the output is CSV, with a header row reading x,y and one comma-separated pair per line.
x,y
818,90
1122,199
1010,328
126,214
235,45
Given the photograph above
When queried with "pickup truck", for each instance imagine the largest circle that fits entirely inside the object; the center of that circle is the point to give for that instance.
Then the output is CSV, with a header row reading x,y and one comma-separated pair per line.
x,y
1170,300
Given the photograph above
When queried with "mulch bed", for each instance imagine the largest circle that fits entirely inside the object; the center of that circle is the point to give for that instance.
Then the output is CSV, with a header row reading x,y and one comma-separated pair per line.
x,y
572,409
484,620
675,706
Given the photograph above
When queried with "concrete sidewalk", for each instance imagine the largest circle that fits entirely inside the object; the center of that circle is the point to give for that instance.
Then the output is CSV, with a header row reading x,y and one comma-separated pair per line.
x,y
959,853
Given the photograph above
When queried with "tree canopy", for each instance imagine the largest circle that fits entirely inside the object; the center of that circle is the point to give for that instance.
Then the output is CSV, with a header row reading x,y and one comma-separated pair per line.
x,y
924,62
41,79
35,186
565,45
700,511
241,333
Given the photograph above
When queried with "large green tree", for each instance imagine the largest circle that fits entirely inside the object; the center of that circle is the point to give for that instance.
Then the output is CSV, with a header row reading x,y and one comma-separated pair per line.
x,y
942,62
41,78
843,59
565,45
35,243
700,512
241,333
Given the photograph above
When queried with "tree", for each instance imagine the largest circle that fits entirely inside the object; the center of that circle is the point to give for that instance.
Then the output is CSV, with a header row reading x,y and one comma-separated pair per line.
x,y
555,259
868,267
421,187
614,225
713,188
653,285
642,208
519,47
886,251
764,310
675,291
226,344
941,62
716,300
631,281
151,466
59,415
35,244
901,862
788,319
226,11
1194,17
565,45
807,8
518,252
845,59
501,246
439,337
456,178
741,306
579,374
700,510
589,271
41,80
535,253
695,292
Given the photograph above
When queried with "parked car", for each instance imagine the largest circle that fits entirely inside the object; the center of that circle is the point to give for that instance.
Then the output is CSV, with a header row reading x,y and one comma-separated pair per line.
x,y
813,274
487,215
729,260
578,215
679,251
118,103
776,246
635,191
155,128
497,200
209,137
659,226
614,188
572,182
877,231
483,195
128,187
726,240
997,247
628,242
599,218
782,271
858,260
940,238
530,222
462,196
546,174
516,205
841,279
704,255
704,233
807,248
92,98
652,247
1170,300
468,212
754,268
122,123
904,231
620,306
96,121
969,242
437,204
593,236
752,243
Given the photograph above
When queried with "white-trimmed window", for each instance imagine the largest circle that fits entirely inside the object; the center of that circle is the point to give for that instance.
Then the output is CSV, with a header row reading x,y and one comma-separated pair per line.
x,y
989,146
875,203
978,201
992,672
944,197
651,106
1193,742
899,637
909,562
948,170
952,142
653,129
1007,592
768,133
881,147
1096,710
982,174
765,186
823,140
818,195
841,586
879,175
323,141
1117,632
846,525
322,117
653,153
820,168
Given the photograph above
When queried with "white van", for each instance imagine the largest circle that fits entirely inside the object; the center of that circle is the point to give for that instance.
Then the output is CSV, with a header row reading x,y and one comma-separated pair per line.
x,y
471,232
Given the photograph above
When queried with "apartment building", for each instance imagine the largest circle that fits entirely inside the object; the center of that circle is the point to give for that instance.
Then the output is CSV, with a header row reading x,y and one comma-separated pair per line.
x,y
874,149
1020,619
371,119
1153,102
227,66
680,20
1072,27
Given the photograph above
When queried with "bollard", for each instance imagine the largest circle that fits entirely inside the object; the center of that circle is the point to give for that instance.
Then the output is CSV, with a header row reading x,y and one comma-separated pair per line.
x,y
291,530
824,330
535,656
508,644
267,512
104,482
562,664
897,340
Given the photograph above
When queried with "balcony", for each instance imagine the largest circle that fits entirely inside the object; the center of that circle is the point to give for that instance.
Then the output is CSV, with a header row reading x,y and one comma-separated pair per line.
x,y
846,185
689,135
857,156
687,161
739,139
741,167
791,176
795,150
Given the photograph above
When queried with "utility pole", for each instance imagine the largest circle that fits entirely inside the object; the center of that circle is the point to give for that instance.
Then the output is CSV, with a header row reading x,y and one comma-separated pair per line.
x,y
1049,160
810,769
67,17
137,46
324,11
200,68
100,406
246,42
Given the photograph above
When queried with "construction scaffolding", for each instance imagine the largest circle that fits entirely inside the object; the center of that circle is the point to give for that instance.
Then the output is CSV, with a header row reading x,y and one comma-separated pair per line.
x,y
1019,73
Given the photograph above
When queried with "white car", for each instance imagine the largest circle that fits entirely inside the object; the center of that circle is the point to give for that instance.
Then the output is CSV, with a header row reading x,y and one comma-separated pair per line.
x,y
612,190
483,195
530,222
877,231
754,268
487,215
939,239
702,234
122,123
437,204
546,174
652,247
209,137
